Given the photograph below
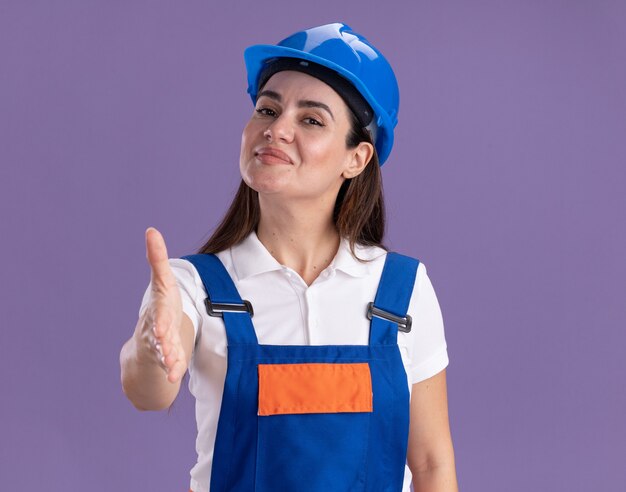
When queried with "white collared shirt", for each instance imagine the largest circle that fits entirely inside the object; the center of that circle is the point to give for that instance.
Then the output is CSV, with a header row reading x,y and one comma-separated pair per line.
x,y
331,311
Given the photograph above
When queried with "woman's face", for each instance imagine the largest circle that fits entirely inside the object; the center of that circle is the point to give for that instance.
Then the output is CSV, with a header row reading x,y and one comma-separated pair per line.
x,y
294,145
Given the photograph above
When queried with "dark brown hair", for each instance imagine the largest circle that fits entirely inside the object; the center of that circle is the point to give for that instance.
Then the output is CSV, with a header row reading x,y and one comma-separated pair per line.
x,y
359,212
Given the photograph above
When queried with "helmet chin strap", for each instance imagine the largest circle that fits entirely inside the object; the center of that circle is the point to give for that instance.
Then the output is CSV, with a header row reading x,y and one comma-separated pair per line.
x,y
372,128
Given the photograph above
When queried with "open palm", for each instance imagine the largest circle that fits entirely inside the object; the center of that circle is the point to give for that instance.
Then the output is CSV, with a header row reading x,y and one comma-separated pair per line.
x,y
165,312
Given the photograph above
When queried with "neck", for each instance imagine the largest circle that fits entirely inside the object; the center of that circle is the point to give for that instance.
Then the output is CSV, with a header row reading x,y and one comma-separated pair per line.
x,y
301,236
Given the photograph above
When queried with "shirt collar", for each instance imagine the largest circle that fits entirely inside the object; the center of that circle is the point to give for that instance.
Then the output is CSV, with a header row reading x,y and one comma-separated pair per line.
x,y
344,260
251,257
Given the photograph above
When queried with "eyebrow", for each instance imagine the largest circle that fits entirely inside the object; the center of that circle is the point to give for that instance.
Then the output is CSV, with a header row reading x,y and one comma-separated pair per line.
x,y
303,103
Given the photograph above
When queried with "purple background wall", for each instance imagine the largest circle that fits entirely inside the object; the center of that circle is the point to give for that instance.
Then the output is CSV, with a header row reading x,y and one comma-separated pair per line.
x,y
507,180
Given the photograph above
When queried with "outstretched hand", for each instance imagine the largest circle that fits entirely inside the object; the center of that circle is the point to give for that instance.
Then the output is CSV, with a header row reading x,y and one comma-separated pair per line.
x,y
164,314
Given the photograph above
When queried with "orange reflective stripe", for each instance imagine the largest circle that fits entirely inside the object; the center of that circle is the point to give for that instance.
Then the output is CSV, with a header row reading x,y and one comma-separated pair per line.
x,y
314,388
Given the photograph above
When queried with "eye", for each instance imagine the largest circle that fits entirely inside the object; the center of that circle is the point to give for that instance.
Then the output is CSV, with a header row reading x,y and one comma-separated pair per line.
x,y
313,121
266,111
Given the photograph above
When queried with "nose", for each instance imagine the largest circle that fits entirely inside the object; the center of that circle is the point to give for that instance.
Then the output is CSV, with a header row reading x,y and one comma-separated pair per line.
x,y
281,129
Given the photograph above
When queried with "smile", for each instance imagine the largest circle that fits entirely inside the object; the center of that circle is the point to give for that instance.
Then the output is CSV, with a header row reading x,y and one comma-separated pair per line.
x,y
269,155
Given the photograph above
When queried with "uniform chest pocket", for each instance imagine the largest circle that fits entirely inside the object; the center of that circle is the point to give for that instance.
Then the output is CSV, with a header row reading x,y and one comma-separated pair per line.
x,y
313,426
314,388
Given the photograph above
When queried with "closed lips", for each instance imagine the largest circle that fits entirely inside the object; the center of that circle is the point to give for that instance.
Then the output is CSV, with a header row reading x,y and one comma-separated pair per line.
x,y
274,153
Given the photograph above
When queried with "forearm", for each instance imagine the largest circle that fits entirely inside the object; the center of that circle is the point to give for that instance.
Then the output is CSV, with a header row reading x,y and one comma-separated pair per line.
x,y
144,380
430,453
435,479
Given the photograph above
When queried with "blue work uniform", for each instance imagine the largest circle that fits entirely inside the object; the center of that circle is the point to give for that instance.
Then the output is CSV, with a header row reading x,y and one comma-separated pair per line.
x,y
312,418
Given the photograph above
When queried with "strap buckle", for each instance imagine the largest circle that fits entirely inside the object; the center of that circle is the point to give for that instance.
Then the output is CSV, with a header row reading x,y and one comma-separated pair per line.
x,y
216,309
404,322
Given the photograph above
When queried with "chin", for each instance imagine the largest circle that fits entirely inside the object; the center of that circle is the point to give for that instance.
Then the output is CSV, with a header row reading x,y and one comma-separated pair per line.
x,y
265,184
266,180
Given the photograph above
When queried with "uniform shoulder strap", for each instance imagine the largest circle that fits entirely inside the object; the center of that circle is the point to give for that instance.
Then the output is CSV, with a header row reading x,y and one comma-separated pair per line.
x,y
388,312
223,299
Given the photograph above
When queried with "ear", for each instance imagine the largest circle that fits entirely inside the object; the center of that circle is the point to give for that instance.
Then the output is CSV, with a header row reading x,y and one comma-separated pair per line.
x,y
360,157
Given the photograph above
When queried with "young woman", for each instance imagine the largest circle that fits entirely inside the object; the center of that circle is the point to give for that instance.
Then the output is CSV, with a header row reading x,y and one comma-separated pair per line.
x,y
317,359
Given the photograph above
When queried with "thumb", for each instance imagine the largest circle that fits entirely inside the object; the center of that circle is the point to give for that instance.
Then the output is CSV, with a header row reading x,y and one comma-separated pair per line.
x,y
156,253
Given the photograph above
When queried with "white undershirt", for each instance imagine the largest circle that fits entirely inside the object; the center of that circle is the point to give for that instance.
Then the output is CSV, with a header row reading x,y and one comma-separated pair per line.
x,y
331,311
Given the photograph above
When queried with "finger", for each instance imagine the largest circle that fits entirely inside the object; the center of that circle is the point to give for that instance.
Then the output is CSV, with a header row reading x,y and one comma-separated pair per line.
x,y
171,358
164,329
158,353
168,352
161,331
169,340
173,338
157,349
156,345
156,253
168,348
177,372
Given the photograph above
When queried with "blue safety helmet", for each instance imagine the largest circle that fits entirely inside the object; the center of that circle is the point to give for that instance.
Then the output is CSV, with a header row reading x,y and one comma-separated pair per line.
x,y
339,48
